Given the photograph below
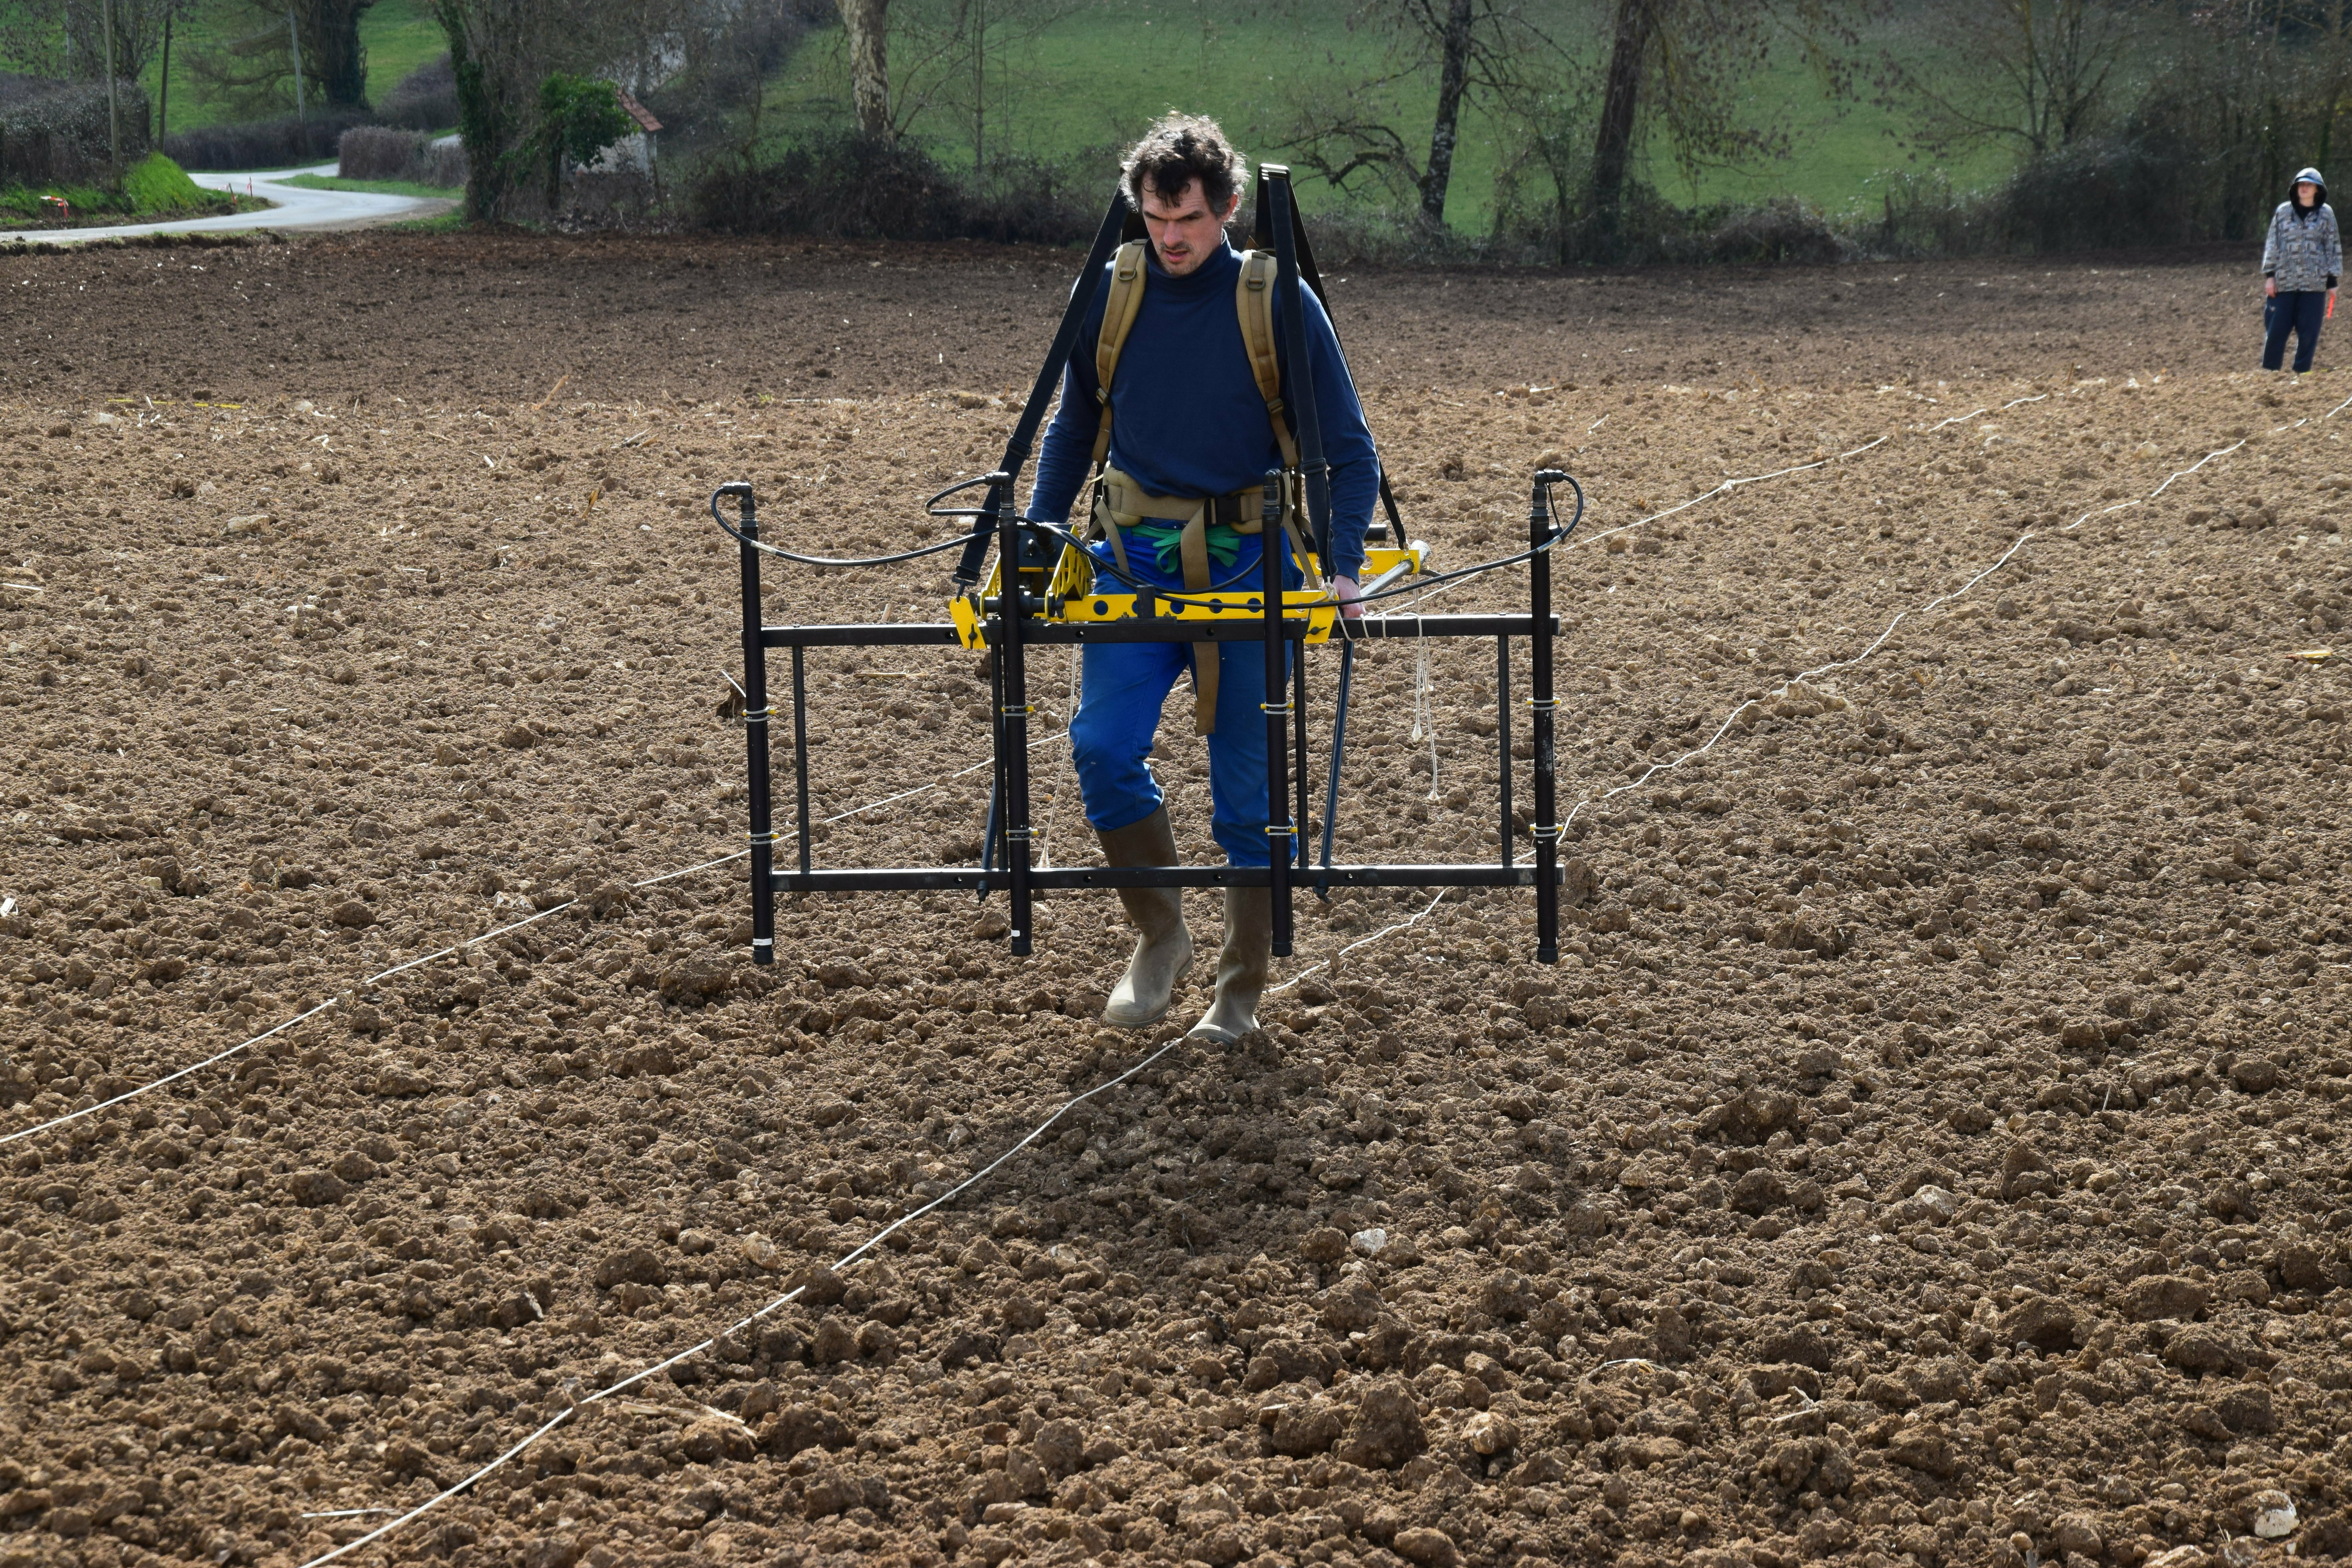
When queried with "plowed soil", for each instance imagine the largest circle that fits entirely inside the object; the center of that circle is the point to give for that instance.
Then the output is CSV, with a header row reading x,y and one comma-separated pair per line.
x,y
1926,1149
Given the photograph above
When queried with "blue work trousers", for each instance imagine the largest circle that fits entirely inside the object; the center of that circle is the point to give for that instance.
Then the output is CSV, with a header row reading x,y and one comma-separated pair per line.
x,y
2296,311
1122,686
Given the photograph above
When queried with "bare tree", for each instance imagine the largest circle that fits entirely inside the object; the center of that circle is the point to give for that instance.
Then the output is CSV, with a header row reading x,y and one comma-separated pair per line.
x,y
1490,50
1681,67
292,52
958,64
2035,74
70,38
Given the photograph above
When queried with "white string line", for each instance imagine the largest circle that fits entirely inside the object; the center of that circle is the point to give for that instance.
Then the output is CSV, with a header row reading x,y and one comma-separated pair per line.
x,y
1384,930
382,976
853,1256
1727,486
1880,641
1782,690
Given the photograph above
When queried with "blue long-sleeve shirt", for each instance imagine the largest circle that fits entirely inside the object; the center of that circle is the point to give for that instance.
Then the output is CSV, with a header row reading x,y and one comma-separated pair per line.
x,y
1186,416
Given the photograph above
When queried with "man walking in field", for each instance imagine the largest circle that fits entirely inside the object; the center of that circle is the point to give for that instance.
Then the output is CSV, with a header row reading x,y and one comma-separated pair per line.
x,y
1184,426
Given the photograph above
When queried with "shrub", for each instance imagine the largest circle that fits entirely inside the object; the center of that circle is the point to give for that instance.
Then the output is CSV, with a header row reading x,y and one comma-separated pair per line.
x,y
380,153
55,133
424,99
281,142
1780,230
856,187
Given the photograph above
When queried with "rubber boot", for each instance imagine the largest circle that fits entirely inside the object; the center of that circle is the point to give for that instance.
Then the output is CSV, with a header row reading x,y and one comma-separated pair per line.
x,y
1242,966
1164,951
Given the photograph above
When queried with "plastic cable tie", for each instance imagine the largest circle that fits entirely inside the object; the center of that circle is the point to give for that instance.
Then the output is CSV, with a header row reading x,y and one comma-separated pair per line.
x,y
1543,704
1553,832
761,717
1024,709
756,839
1285,831
763,941
1274,707
1020,834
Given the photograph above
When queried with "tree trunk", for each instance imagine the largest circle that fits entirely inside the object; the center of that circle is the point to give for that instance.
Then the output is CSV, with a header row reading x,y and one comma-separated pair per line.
x,y
164,84
332,41
1452,74
1612,145
867,23
294,44
113,102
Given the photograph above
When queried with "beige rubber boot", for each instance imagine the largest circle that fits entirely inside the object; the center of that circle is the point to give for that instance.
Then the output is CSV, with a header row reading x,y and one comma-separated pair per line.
x,y
1242,965
1165,951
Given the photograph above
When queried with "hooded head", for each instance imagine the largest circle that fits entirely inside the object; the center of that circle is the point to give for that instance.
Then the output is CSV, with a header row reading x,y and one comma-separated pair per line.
x,y
2312,176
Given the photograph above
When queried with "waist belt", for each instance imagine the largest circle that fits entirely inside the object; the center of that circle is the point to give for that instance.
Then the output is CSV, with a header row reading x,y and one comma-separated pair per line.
x,y
1200,527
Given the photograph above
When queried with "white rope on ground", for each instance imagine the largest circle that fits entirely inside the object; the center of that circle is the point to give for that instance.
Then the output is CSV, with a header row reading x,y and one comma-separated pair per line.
x,y
1727,486
1880,640
1724,487
853,1256
1733,717
384,975
1360,942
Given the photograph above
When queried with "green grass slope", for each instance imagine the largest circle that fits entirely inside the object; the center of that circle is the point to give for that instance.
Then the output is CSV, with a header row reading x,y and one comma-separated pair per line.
x,y
155,187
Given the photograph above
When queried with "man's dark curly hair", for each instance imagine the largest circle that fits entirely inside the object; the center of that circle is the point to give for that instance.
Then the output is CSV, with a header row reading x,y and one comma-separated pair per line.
x,y
1178,149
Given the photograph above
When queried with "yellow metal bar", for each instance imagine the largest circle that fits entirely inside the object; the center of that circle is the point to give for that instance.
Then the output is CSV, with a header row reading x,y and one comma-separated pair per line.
x,y
1071,600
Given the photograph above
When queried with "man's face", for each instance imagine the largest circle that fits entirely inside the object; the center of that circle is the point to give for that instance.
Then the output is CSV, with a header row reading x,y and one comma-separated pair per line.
x,y
1186,231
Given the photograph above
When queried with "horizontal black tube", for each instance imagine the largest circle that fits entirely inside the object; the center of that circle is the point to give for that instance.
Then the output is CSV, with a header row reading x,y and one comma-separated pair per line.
x,y
923,634
900,878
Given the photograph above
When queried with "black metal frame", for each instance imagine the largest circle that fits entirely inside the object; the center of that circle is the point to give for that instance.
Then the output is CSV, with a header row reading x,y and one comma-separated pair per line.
x,y
1015,622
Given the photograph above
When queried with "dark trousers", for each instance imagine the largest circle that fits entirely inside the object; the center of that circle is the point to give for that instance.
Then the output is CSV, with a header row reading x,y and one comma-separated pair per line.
x,y
2297,310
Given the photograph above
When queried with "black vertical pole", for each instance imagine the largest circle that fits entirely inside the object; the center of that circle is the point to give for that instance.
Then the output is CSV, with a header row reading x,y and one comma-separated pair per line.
x,y
1339,756
763,837
1546,825
1503,741
1278,706
800,745
1298,378
1013,733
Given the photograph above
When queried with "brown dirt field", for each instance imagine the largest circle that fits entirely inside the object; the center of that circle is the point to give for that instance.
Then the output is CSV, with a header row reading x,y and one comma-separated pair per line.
x,y
1926,1149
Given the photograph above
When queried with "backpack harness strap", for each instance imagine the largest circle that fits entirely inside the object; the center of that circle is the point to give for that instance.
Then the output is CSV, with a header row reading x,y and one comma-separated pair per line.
x,y
1120,504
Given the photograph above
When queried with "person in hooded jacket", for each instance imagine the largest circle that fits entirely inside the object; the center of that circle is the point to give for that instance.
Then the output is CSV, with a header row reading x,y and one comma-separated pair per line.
x,y
2301,261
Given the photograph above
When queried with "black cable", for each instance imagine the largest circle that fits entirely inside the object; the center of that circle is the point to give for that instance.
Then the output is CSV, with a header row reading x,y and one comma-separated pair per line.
x,y
1417,585
944,544
1420,583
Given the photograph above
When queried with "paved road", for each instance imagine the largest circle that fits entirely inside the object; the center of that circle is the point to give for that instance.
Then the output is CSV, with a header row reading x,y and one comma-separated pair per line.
x,y
295,208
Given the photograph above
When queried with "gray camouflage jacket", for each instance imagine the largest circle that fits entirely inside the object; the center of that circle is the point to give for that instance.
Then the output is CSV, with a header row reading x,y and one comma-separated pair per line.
x,y
2304,250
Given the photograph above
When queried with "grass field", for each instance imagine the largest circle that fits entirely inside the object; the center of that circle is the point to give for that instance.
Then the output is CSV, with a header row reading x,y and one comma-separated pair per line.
x,y
1067,87
1092,78
377,187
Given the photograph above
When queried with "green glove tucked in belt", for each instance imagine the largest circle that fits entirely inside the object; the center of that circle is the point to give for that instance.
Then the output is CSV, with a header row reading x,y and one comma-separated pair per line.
x,y
1165,541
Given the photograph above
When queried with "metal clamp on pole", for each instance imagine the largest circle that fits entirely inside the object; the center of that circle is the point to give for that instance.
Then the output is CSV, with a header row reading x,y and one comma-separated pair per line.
x,y
1013,731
